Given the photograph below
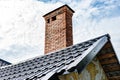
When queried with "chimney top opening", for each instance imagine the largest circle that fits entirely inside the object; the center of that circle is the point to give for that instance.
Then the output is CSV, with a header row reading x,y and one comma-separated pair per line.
x,y
53,18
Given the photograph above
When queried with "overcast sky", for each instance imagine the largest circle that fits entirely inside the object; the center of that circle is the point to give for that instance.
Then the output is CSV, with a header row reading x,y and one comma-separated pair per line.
x,y
22,26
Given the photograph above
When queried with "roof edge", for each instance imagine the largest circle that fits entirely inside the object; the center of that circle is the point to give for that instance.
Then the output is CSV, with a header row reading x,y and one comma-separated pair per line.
x,y
5,61
107,35
89,55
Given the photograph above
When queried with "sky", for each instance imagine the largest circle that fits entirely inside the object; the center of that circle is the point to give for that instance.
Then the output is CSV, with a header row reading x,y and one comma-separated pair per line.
x,y
22,27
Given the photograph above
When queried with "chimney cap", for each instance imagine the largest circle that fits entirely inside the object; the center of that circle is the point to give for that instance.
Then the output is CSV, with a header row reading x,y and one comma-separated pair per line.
x,y
59,8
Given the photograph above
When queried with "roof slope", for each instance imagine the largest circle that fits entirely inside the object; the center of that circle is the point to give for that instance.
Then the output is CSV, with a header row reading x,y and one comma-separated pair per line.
x,y
45,67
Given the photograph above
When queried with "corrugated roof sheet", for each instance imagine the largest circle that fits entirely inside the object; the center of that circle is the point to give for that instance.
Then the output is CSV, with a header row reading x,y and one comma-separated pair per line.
x,y
67,59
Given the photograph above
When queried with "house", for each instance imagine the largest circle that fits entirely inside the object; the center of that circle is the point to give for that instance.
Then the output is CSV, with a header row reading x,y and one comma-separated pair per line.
x,y
94,59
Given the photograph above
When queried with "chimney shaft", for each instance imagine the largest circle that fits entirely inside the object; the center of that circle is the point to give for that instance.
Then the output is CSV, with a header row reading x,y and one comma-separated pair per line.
x,y
58,29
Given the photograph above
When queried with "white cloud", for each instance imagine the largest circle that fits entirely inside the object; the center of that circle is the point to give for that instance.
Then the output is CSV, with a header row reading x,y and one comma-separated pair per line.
x,y
111,26
86,26
22,25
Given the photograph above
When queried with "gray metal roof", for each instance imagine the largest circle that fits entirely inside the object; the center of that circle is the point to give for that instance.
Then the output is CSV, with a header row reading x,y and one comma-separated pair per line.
x,y
4,63
44,67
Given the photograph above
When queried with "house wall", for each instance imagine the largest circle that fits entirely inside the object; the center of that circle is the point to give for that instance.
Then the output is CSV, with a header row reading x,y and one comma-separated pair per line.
x,y
93,71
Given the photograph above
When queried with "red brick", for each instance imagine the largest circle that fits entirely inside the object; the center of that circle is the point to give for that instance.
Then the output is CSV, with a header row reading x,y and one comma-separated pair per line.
x,y
58,33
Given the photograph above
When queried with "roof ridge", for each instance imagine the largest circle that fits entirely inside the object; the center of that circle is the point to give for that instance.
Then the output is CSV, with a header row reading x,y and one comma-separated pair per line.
x,y
107,35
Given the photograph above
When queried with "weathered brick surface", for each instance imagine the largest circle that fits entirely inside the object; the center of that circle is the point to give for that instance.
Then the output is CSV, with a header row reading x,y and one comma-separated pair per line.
x,y
58,32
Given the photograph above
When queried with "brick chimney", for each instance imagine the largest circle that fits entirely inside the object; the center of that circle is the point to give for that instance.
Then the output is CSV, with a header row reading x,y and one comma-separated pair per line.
x,y
58,29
